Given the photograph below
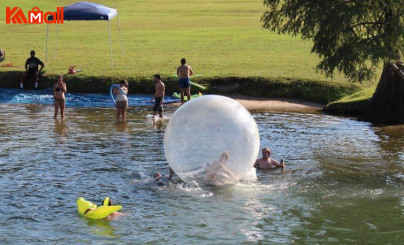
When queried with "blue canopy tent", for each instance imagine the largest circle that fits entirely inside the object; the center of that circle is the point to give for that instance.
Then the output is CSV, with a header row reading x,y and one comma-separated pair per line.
x,y
87,11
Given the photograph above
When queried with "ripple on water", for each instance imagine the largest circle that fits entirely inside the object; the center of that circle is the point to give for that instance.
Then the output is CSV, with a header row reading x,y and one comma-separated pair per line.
x,y
343,179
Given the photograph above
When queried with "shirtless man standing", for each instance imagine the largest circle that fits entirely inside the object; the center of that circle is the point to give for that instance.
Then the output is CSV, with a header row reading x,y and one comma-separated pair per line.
x,y
183,72
158,96
266,163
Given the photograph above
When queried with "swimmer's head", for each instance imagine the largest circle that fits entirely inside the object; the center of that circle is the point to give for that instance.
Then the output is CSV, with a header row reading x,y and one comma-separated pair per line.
x,y
183,61
266,152
224,157
157,77
157,176
123,82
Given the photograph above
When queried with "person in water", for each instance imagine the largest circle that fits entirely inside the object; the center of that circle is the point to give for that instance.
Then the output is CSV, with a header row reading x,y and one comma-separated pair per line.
x,y
215,168
266,163
59,90
184,72
31,69
158,96
158,177
106,202
121,99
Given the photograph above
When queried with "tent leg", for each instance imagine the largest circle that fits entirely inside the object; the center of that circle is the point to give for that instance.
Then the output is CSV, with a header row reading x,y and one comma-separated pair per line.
x,y
110,43
46,49
120,34
57,37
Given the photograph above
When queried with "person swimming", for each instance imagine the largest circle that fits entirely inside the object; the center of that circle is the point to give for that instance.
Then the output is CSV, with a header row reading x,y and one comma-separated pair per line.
x,y
266,163
159,179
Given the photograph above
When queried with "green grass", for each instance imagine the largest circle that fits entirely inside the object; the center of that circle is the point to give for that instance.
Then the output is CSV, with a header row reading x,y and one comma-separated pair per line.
x,y
355,103
364,94
219,38
223,40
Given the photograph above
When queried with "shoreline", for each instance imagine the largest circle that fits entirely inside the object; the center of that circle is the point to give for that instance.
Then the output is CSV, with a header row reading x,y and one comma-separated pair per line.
x,y
274,104
277,104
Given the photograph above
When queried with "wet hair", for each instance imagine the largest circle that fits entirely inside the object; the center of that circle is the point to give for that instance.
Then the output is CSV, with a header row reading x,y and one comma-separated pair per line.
x,y
157,76
157,175
267,150
183,61
124,82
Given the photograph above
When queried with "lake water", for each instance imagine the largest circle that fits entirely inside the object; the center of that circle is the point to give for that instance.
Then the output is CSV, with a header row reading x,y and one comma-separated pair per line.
x,y
343,182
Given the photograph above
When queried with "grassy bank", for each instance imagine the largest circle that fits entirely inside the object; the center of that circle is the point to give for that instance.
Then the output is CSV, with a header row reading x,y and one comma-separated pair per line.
x,y
219,38
354,104
222,39
310,90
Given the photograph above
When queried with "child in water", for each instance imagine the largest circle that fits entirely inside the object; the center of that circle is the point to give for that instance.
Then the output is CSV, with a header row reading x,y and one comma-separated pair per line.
x,y
158,177
121,99
214,169
158,96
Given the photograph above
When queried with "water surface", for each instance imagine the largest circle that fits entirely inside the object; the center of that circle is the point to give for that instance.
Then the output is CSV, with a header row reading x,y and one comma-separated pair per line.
x,y
343,182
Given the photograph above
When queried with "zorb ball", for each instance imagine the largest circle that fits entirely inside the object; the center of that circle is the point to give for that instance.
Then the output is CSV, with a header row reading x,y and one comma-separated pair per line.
x,y
211,138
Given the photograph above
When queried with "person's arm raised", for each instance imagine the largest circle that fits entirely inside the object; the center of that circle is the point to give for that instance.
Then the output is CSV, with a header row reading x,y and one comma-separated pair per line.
x,y
64,88
278,165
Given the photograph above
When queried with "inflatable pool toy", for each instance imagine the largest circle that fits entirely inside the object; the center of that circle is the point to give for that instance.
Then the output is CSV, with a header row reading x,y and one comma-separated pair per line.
x,y
111,89
91,211
198,86
193,96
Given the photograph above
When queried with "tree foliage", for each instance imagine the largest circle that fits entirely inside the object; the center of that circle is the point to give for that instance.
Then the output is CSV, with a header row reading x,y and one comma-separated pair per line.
x,y
351,36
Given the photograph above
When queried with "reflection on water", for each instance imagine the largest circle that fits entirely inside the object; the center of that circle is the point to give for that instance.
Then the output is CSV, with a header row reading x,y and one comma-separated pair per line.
x,y
61,127
343,182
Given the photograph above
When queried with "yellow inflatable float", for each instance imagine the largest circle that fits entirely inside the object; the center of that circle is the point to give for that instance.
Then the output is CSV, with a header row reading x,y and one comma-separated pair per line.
x,y
91,211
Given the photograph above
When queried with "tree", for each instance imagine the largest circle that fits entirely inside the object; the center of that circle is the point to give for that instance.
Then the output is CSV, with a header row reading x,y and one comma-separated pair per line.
x,y
351,36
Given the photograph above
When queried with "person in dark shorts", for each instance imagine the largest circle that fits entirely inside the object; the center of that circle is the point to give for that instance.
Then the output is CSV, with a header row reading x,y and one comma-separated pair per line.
x,y
184,72
31,67
158,96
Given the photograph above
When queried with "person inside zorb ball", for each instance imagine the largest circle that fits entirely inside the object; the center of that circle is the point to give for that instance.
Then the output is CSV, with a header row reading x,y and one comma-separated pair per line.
x,y
211,140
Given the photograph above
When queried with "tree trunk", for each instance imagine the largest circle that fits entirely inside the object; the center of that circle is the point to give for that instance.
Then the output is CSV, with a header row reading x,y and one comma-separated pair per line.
x,y
387,103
